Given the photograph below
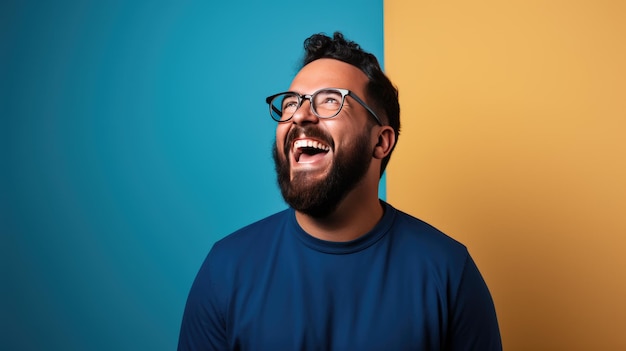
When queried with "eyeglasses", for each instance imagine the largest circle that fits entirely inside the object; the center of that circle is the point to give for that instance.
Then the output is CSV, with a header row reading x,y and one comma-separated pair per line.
x,y
325,103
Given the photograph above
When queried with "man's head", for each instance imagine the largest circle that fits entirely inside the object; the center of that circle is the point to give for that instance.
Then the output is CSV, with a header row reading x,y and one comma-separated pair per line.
x,y
380,92
338,124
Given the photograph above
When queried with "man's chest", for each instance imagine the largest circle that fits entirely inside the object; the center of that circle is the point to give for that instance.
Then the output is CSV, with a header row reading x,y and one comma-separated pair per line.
x,y
333,306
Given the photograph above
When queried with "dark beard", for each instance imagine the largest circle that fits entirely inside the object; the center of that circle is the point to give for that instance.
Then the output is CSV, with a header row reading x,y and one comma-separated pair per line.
x,y
319,198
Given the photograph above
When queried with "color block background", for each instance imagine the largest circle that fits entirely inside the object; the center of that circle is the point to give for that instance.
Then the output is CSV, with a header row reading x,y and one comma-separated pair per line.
x,y
514,118
134,134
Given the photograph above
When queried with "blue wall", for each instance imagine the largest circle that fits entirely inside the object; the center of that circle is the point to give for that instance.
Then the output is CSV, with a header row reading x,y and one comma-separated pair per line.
x,y
133,135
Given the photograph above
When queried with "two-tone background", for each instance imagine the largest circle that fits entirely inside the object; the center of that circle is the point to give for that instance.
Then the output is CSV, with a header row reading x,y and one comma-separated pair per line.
x,y
135,134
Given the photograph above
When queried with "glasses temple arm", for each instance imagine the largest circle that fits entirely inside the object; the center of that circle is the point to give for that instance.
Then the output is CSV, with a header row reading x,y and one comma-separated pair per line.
x,y
366,107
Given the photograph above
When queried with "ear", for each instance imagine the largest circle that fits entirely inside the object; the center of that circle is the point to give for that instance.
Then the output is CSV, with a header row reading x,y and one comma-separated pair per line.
x,y
386,141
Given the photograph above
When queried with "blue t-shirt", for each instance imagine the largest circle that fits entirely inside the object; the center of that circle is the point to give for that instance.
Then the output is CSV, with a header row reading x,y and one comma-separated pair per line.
x,y
402,286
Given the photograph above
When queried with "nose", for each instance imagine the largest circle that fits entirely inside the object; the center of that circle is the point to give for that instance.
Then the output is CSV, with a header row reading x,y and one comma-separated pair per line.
x,y
304,114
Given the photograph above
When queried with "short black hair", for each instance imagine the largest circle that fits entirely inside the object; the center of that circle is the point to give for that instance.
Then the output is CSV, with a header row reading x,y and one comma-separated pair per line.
x,y
380,91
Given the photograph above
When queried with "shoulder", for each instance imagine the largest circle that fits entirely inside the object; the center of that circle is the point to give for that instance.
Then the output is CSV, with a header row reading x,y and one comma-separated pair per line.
x,y
238,254
426,249
255,233
422,235
251,240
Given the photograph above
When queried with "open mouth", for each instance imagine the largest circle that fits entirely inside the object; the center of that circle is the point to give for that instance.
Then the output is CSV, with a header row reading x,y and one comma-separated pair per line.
x,y
309,150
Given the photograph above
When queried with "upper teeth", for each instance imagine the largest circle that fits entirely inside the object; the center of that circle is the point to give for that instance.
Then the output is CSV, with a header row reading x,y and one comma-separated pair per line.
x,y
310,143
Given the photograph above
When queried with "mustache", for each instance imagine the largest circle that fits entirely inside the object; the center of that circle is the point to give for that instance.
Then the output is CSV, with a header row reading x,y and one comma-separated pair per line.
x,y
309,131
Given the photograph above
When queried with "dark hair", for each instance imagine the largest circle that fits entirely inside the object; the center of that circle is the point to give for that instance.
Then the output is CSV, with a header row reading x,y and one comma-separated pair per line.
x,y
381,93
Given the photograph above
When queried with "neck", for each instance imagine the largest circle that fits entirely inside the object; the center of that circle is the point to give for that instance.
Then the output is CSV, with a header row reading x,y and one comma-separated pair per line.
x,y
356,215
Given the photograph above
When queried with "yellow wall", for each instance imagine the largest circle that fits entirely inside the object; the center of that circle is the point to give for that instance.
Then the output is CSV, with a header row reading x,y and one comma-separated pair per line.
x,y
514,142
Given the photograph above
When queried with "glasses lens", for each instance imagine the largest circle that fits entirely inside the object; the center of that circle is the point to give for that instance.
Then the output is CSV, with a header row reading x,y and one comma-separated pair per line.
x,y
327,103
283,106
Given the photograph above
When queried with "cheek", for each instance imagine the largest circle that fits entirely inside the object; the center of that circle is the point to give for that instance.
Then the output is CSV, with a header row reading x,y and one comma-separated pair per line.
x,y
281,136
355,135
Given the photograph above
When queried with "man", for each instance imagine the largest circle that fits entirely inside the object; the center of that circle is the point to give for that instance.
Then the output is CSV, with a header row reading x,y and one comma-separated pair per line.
x,y
339,269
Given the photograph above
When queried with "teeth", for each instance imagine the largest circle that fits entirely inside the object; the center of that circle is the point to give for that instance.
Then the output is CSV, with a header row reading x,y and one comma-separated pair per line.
x,y
311,144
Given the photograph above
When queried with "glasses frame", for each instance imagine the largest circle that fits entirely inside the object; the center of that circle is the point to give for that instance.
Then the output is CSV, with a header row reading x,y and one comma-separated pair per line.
x,y
302,97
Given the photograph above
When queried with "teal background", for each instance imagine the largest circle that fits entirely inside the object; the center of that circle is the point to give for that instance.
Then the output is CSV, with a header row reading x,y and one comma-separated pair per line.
x,y
134,134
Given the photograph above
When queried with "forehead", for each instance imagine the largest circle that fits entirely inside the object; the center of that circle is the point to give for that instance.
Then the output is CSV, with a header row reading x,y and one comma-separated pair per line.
x,y
329,73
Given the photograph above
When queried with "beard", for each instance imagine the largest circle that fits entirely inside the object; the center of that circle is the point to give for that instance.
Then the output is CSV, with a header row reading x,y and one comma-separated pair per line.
x,y
320,197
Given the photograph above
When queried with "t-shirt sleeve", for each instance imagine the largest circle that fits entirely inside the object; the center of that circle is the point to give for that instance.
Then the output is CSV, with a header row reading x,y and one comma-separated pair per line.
x,y
474,322
203,326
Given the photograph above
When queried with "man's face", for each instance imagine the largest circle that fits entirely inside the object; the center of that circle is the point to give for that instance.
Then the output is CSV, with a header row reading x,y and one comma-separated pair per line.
x,y
319,161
